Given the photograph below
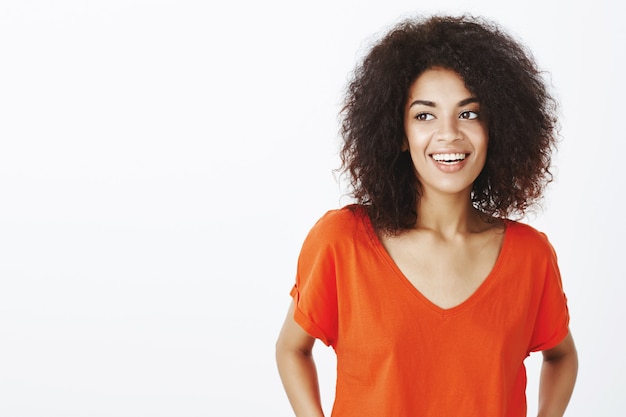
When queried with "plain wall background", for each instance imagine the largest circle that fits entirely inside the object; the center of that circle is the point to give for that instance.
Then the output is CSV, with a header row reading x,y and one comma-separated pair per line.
x,y
162,161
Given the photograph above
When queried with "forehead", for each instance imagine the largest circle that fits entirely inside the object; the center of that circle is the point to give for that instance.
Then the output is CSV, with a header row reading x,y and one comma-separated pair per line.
x,y
439,83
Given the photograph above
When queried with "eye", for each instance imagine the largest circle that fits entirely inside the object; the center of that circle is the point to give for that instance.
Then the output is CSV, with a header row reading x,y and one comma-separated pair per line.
x,y
468,115
424,117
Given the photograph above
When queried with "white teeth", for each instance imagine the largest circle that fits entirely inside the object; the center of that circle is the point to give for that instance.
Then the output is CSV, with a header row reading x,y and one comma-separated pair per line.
x,y
448,157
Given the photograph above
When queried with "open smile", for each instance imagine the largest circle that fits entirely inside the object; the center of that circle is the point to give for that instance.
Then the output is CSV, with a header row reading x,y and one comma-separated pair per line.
x,y
449,158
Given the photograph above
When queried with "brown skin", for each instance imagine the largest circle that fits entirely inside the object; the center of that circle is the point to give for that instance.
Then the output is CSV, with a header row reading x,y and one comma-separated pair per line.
x,y
297,369
451,248
558,376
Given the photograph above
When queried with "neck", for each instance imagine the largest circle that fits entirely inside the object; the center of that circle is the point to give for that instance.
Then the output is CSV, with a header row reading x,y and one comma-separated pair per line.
x,y
448,215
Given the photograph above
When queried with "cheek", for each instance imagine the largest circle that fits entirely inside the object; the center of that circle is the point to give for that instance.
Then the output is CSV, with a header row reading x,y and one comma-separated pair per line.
x,y
416,140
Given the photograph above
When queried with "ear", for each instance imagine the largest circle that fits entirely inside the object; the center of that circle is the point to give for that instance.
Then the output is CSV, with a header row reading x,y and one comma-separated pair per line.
x,y
405,145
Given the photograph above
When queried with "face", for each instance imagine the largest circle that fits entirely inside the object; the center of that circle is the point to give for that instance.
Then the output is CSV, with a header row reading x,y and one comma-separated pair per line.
x,y
446,132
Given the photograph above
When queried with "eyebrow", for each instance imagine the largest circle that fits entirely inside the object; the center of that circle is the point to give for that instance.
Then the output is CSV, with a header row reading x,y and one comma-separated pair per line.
x,y
432,104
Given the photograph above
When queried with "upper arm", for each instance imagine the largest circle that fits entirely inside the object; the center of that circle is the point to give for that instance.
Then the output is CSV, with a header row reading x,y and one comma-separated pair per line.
x,y
293,336
564,348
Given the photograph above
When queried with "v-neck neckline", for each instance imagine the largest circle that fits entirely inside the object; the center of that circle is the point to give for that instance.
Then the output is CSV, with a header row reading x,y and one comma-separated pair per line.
x,y
466,303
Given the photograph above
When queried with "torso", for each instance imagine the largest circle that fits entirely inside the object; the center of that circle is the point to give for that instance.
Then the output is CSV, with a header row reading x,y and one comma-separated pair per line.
x,y
400,355
446,271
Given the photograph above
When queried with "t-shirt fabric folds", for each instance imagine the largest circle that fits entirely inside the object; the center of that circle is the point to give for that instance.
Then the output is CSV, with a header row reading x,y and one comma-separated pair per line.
x,y
398,354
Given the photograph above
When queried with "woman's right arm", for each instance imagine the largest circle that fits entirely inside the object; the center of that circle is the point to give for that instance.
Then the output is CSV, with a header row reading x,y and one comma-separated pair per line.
x,y
294,356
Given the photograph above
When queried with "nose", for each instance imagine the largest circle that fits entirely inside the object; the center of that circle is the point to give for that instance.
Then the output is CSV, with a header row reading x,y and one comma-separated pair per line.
x,y
448,130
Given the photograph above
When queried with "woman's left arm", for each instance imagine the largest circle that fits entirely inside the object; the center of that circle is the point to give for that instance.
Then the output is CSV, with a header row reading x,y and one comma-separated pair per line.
x,y
558,376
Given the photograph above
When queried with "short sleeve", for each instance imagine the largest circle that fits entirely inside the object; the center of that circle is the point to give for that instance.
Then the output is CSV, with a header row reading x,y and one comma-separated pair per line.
x,y
315,290
551,325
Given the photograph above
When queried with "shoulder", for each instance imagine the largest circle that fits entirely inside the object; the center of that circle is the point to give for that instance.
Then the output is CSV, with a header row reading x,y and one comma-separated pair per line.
x,y
527,237
340,225
333,236
341,221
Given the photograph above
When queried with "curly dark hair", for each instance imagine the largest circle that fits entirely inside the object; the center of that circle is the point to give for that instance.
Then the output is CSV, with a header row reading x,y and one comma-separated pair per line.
x,y
501,72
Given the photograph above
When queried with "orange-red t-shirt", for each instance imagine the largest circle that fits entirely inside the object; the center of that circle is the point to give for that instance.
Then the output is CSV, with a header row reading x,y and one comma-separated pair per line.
x,y
400,355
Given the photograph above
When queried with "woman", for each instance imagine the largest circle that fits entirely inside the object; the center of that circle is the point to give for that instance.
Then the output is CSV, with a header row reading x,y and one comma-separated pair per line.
x,y
430,295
